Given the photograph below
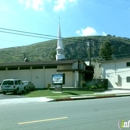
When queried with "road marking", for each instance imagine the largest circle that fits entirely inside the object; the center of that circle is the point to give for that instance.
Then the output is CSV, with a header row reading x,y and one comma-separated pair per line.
x,y
51,119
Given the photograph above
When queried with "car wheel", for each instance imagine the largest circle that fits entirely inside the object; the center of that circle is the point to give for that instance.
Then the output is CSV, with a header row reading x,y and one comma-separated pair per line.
x,y
16,91
25,90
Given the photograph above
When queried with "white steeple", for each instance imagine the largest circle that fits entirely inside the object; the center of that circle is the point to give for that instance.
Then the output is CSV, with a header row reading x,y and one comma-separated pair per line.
x,y
60,50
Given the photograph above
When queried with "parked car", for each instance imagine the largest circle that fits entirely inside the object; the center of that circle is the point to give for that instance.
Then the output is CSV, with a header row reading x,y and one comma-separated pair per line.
x,y
29,85
12,85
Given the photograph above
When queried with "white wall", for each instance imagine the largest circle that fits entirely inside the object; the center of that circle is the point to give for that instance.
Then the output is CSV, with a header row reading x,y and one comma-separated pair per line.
x,y
75,65
2,75
41,77
48,76
69,79
11,74
82,66
25,75
116,70
97,70
61,67
37,77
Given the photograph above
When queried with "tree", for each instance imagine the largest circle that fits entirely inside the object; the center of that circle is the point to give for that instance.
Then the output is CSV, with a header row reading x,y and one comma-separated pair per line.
x,y
106,50
53,55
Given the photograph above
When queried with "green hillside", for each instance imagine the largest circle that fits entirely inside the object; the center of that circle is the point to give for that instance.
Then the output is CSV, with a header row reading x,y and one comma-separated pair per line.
x,y
75,48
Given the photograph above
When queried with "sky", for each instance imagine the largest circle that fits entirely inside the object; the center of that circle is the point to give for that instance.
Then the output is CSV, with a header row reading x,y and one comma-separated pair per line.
x,y
77,18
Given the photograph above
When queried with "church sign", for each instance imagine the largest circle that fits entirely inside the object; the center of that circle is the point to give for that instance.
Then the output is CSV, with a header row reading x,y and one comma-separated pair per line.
x,y
58,79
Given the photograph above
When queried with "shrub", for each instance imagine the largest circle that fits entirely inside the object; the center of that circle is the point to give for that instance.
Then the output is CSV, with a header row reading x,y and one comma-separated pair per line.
x,y
100,86
48,86
92,87
83,84
96,86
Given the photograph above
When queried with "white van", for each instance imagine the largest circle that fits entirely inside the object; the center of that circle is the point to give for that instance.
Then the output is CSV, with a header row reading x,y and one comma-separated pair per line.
x,y
12,85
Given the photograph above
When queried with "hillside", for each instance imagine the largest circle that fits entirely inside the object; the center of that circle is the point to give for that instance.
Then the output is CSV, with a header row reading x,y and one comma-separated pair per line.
x,y
75,48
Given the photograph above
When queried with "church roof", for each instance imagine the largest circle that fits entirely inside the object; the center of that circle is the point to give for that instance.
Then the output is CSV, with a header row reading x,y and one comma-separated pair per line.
x,y
38,63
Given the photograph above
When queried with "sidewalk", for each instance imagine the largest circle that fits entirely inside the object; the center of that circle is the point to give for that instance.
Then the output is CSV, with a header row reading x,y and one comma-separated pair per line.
x,y
24,100
111,91
96,95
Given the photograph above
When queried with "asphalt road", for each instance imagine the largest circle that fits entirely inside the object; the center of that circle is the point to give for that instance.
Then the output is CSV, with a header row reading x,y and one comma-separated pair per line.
x,y
11,96
95,114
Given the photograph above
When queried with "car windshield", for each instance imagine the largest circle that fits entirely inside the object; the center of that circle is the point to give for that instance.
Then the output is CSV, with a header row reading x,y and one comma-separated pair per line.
x,y
8,83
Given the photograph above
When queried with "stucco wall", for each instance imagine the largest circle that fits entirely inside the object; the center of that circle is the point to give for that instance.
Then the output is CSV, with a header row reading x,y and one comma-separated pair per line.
x,y
48,76
82,66
62,67
116,72
2,75
40,77
37,77
97,70
69,79
75,65
10,74
25,75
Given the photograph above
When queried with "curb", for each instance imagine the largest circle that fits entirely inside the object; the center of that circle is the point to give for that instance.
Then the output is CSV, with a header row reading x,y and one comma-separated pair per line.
x,y
92,97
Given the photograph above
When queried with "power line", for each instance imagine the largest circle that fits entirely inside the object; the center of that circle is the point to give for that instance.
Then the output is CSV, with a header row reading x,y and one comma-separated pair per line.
x,y
30,34
26,34
38,34
70,40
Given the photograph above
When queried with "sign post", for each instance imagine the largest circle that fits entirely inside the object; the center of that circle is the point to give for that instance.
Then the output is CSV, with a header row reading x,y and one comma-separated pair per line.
x,y
58,80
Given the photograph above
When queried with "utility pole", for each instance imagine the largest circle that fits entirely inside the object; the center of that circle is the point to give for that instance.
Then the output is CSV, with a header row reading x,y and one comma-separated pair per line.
x,y
90,46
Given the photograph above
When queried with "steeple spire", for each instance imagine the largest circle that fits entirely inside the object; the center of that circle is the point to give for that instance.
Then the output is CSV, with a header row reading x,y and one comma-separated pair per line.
x,y
60,50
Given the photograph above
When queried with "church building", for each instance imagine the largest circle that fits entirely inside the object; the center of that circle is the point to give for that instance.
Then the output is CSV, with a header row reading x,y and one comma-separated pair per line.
x,y
40,72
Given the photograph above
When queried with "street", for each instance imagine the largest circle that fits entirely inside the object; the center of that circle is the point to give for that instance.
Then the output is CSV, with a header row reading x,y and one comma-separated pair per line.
x,y
11,96
95,114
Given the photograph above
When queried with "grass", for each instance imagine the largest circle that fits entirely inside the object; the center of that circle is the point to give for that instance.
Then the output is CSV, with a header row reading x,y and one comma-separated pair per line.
x,y
49,93
65,94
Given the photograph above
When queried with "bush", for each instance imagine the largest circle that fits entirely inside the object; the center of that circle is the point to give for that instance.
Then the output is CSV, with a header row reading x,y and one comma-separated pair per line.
x,y
92,87
83,84
100,86
96,86
48,86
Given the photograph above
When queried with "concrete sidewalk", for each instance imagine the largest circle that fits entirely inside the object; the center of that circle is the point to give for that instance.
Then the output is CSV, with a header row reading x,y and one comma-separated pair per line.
x,y
105,94
96,95
111,91
24,100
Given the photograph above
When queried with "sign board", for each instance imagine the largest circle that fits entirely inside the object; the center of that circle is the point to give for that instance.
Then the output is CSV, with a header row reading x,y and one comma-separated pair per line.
x,y
58,79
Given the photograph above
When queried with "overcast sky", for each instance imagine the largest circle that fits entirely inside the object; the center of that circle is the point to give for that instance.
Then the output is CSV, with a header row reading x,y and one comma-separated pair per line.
x,y
77,18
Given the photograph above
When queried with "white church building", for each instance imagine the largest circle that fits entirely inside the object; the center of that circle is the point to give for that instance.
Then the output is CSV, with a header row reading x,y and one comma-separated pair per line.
x,y
40,72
